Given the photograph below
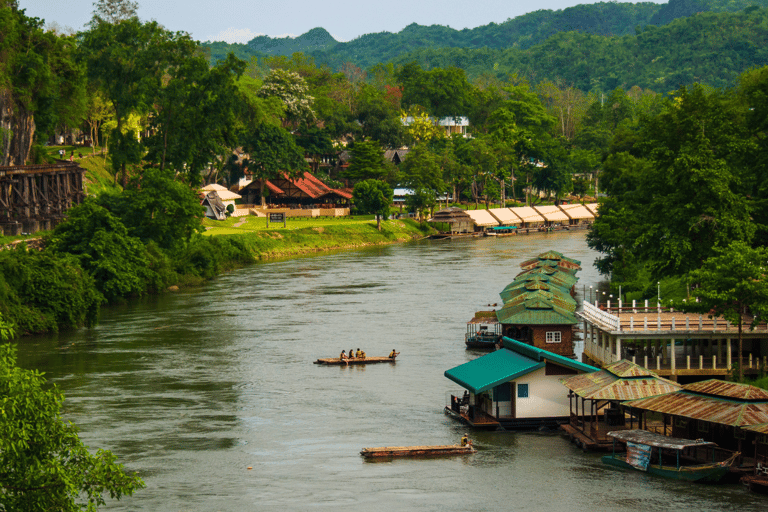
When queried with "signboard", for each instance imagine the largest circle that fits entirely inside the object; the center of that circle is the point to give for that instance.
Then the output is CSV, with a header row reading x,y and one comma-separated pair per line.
x,y
276,217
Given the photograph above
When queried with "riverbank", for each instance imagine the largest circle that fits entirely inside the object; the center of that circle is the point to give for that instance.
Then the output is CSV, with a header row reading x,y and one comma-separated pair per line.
x,y
322,236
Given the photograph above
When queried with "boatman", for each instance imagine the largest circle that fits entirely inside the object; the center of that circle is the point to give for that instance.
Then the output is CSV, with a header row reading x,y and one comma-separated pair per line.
x,y
465,440
393,354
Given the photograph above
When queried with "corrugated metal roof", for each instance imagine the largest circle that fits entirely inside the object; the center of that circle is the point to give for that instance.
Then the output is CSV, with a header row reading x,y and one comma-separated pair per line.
x,y
527,214
706,408
626,368
658,440
552,213
725,389
482,218
608,385
505,216
556,276
552,259
577,211
761,428
484,317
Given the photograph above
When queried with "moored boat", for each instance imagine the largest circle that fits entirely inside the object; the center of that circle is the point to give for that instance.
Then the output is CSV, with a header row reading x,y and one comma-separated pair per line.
x,y
355,360
670,457
416,451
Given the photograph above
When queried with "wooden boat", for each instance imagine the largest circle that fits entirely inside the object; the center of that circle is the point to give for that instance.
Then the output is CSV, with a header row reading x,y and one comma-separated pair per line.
x,y
344,362
416,451
756,483
669,457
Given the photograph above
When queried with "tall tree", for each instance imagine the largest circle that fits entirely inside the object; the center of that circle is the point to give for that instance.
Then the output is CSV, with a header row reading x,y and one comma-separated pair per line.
x,y
373,196
367,162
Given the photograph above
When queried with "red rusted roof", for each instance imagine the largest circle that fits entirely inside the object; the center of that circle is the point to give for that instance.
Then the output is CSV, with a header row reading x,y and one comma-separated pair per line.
x,y
706,408
725,389
607,385
273,188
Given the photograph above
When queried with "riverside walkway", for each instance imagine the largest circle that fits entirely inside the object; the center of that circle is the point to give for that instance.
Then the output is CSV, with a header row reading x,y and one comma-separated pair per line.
x,y
670,343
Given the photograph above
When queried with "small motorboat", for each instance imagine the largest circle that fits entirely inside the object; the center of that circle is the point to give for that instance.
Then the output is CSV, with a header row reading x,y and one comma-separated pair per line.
x,y
416,451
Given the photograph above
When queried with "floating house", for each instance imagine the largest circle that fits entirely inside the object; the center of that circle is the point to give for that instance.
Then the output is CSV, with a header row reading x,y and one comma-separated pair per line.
x,y
483,331
539,308
595,398
516,387
713,410
458,220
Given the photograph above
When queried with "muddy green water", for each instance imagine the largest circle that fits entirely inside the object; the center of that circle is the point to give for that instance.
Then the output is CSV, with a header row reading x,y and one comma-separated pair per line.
x,y
190,389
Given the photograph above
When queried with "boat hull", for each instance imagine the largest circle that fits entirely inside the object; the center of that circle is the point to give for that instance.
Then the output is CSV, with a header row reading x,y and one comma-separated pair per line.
x,y
415,451
710,473
335,361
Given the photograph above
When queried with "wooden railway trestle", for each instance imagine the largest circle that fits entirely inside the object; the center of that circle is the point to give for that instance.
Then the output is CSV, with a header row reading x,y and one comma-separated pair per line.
x,y
35,197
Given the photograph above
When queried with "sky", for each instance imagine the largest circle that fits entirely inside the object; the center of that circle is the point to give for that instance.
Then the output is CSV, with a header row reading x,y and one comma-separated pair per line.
x,y
242,20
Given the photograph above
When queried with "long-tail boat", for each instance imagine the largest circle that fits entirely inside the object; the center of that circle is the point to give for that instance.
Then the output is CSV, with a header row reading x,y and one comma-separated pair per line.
x,y
670,457
355,360
416,451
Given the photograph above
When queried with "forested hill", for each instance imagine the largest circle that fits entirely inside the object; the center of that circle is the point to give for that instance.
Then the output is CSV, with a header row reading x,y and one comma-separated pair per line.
x,y
710,48
522,32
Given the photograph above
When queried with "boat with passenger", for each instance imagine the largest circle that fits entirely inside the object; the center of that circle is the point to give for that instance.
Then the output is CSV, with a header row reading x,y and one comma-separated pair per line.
x,y
335,361
693,460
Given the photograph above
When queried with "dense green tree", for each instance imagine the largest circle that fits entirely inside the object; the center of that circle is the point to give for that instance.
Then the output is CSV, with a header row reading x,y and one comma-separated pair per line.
x,y
156,207
441,92
292,90
43,463
118,262
373,196
367,162
378,117
195,111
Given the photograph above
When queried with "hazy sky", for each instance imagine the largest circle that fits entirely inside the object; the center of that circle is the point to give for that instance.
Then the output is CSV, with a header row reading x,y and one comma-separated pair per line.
x,y
242,20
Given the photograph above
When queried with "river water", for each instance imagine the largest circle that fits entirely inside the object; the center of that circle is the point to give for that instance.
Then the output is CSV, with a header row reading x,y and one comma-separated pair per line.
x,y
191,389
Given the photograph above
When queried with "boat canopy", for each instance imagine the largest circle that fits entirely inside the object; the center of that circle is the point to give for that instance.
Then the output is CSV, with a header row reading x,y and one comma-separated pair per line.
x,y
657,440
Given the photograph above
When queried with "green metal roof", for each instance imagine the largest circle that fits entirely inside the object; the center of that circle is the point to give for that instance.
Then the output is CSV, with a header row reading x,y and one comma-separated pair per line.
x,y
536,312
513,360
492,369
541,354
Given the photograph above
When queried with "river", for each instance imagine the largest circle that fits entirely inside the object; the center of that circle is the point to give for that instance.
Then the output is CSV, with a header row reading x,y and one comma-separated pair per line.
x,y
193,388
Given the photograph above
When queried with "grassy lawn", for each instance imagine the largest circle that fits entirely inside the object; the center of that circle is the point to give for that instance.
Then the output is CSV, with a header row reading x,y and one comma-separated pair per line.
x,y
251,223
98,177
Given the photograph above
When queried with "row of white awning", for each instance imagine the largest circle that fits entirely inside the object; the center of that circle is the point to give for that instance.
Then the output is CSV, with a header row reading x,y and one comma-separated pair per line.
x,y
533,214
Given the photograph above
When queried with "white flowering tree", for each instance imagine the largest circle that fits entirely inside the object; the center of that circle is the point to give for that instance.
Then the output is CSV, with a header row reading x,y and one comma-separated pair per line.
x,y
293,91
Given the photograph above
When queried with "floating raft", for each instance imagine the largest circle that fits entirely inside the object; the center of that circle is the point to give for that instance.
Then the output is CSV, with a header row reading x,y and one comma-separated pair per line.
x,y
416,451
367,360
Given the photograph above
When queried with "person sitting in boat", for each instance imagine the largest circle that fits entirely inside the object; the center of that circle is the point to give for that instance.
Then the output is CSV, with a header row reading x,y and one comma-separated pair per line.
x,y
343,355
465,441
351,354
362,354
358,353
393,354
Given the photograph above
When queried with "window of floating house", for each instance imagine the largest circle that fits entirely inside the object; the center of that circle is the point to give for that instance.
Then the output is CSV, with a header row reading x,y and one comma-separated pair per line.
x,y
703,426
762,439
554,337
522,391
681,422
739,433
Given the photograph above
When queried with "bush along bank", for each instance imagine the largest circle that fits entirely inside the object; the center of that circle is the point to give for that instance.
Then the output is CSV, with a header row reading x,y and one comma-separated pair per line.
x,y
145,240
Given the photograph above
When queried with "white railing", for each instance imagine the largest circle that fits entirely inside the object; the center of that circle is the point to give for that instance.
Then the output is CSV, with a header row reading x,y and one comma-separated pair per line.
x,y
598,315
